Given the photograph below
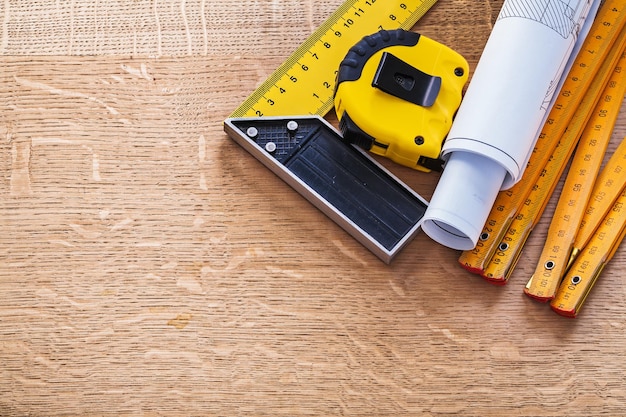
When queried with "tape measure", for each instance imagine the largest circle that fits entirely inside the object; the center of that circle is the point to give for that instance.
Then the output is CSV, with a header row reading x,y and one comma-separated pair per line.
x,y
577,189
396,95
505,258
608,24
304,84
589,265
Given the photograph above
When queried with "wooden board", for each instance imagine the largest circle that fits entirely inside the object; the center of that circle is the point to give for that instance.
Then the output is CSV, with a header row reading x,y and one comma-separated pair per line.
x,y
150,266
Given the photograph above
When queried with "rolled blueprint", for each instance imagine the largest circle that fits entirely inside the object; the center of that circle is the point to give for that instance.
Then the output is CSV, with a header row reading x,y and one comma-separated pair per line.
x,y
502,113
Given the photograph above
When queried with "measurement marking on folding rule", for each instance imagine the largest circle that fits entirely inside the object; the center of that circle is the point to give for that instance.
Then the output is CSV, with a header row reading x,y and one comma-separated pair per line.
x,y
606,190
305,82
577,189
591,262
606,28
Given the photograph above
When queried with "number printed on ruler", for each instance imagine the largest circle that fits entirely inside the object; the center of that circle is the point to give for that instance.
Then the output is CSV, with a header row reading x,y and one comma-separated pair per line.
x,y
608,185
304,84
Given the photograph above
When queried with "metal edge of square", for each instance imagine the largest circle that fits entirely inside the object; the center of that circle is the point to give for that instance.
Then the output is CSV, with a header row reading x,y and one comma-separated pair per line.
x,y
386,255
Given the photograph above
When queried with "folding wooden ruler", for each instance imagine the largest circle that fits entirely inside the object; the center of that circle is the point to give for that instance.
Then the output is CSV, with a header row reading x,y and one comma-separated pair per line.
x,y
590,263
506,256
605,32
577,190
605,192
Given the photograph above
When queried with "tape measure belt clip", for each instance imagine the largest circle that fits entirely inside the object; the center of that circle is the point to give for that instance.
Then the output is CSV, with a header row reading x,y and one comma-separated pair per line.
x,y
396,94
352,65
396,77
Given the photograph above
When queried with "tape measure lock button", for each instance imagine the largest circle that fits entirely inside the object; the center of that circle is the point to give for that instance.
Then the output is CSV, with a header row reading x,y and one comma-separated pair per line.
x,y
396,95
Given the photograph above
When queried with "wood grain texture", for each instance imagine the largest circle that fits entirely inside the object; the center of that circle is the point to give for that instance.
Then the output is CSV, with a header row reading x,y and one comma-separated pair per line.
x,y
150,266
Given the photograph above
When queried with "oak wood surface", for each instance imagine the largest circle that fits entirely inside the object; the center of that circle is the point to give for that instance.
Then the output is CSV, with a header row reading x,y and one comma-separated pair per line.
x,y
150,266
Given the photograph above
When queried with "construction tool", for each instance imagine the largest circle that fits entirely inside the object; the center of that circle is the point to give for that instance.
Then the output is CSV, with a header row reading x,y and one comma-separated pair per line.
x,y
505,258
606,190
397,93
528,54
341,180
608,24
577,189
346,183
304,84
591,262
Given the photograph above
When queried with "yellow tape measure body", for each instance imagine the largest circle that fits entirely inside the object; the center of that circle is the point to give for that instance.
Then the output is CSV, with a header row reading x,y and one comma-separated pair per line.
x,y
608,24
396,95
587,267
505,257
577,189
305,82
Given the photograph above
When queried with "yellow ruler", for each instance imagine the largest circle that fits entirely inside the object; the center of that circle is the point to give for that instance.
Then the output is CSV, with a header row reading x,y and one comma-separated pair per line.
x,y
589,264
503,262
305,82
577,189
606,190
608,24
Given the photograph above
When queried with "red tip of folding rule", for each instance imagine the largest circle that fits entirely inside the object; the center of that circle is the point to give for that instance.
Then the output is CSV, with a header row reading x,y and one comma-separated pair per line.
x,y
495,280
537,297
472,269
565,313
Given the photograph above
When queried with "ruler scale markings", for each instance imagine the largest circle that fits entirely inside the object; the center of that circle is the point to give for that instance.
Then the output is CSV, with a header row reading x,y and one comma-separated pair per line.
x,y
607,189
304,83
503,262
608,24
577,189
590,263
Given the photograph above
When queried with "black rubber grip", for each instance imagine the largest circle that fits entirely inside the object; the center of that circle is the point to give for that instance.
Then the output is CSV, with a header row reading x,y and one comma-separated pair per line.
x,y
352,65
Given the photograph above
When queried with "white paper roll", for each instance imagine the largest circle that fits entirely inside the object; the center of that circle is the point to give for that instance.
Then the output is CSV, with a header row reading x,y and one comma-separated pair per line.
x,y
503,112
